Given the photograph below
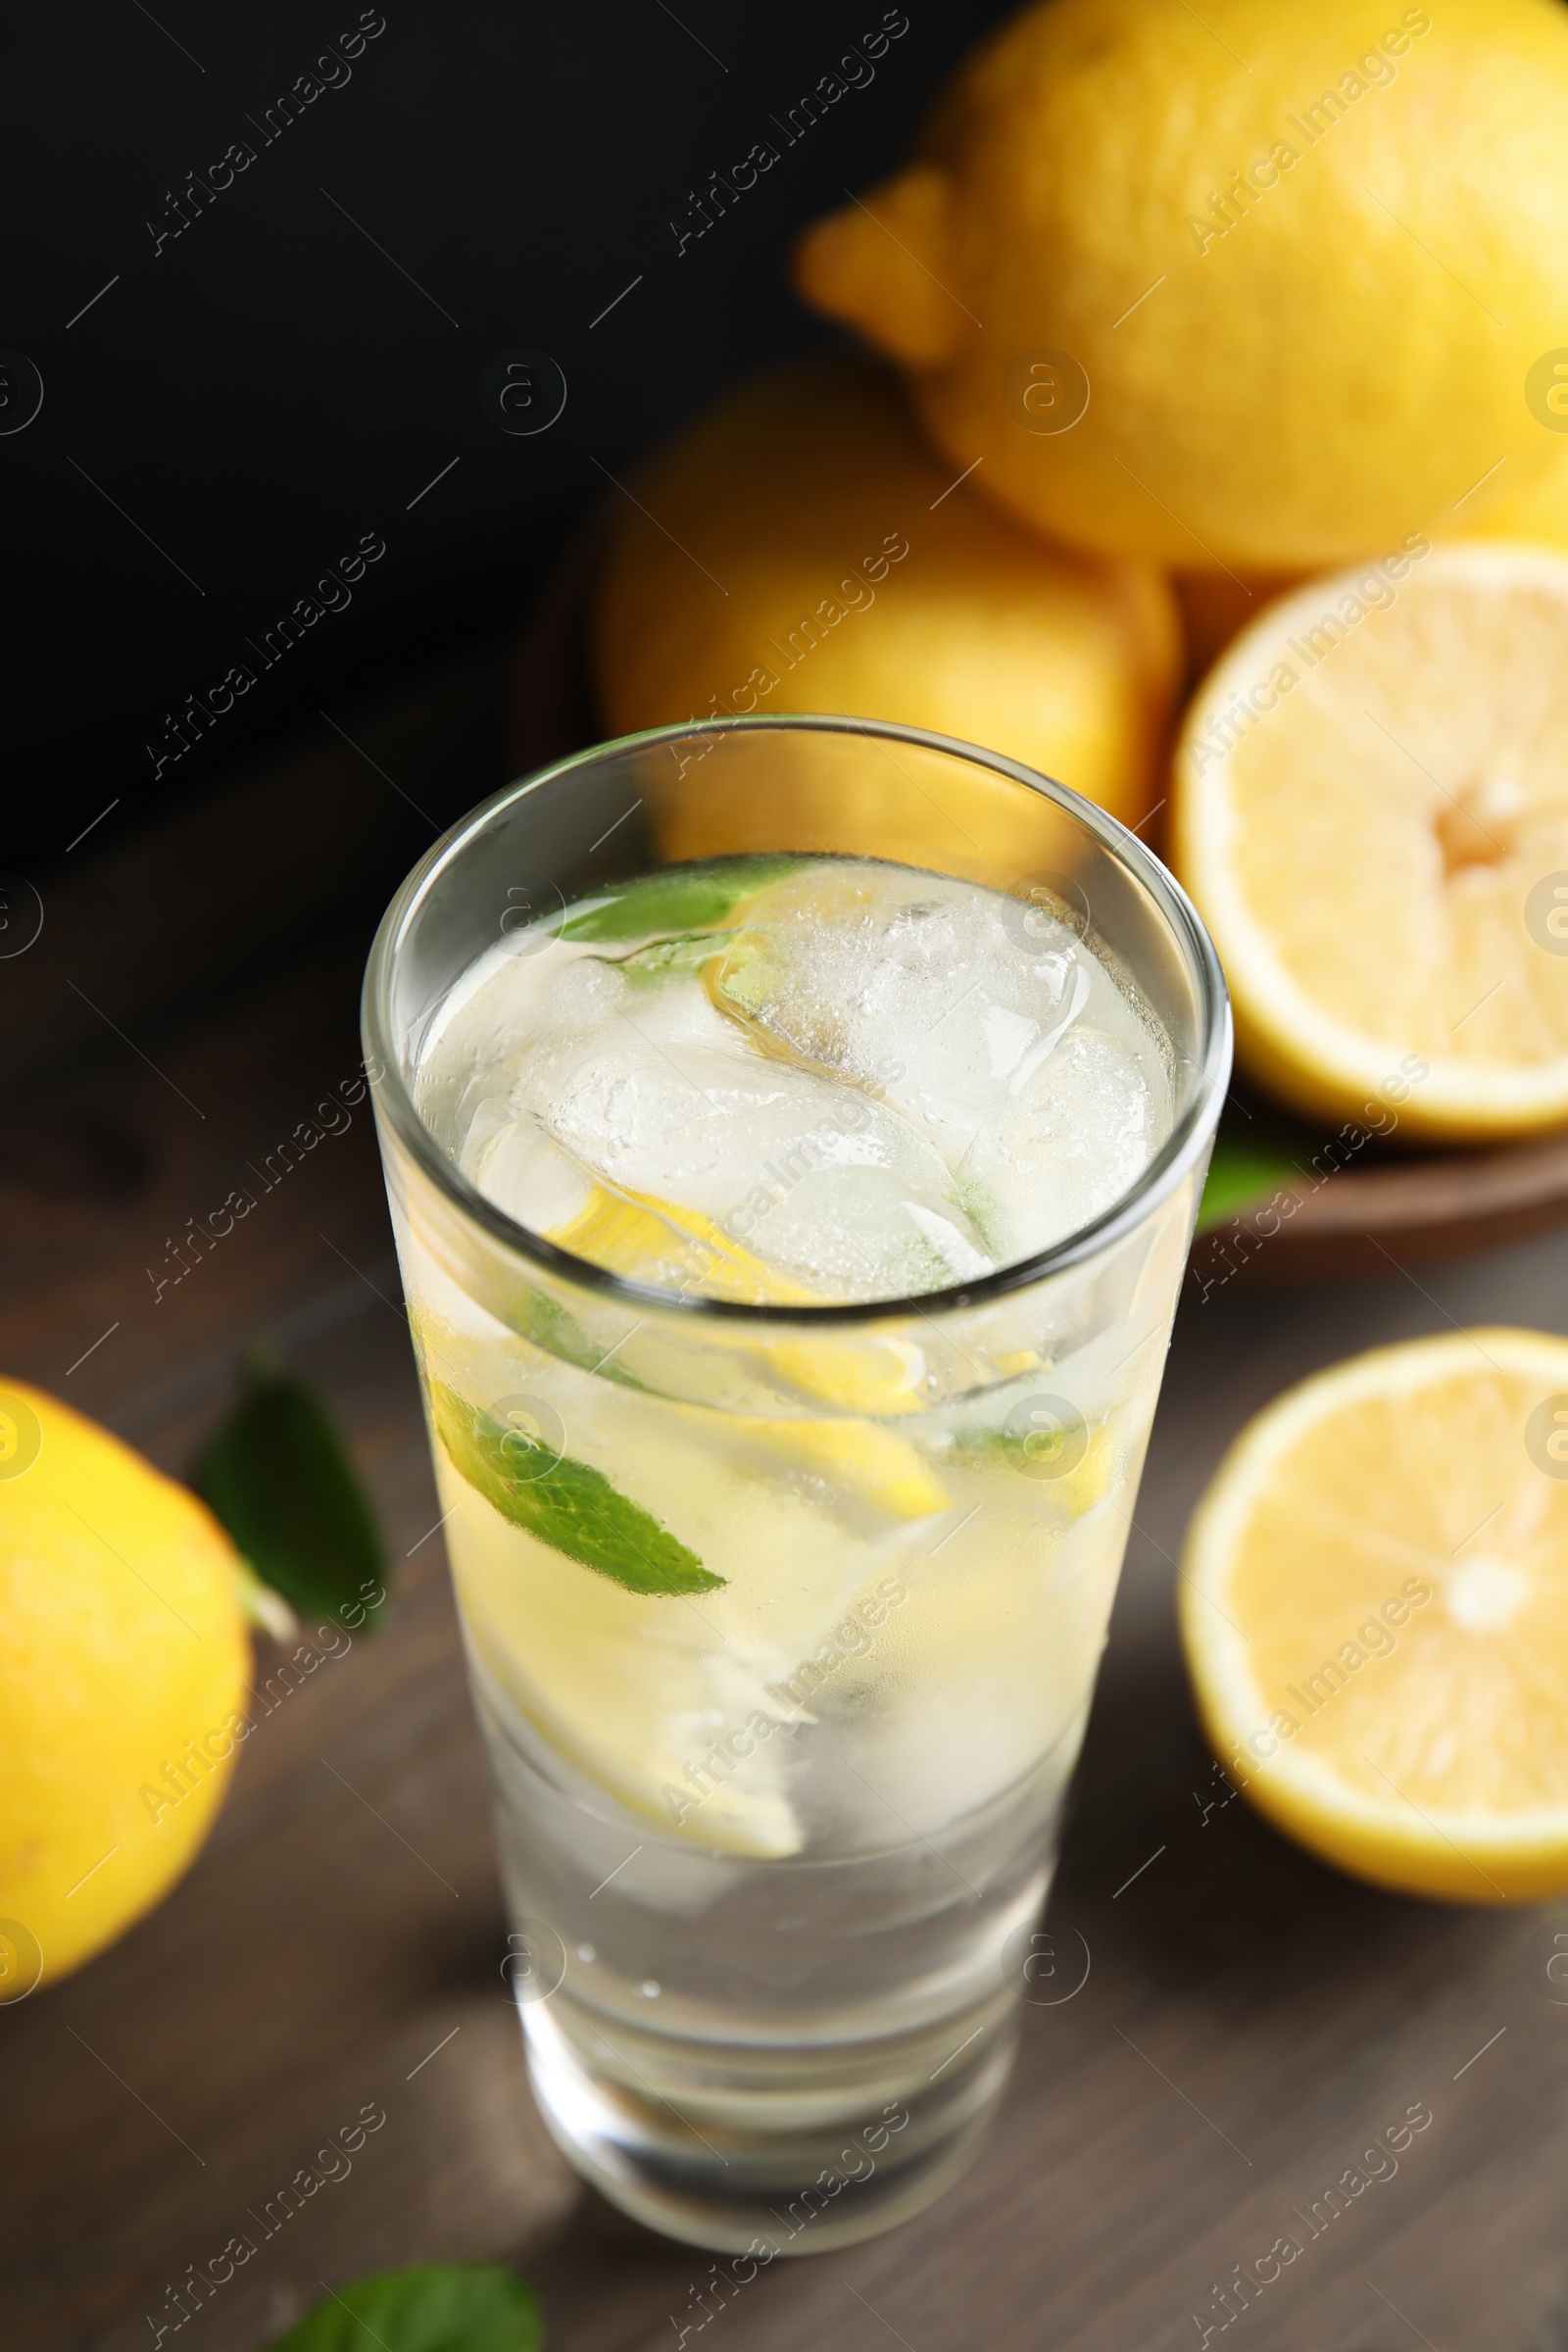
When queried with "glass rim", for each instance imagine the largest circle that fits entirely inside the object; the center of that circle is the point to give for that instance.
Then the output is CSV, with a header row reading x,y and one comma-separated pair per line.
x,y
1164,1171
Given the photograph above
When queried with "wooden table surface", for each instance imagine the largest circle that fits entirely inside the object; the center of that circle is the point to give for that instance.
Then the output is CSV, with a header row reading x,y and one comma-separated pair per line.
x,y
1250,2022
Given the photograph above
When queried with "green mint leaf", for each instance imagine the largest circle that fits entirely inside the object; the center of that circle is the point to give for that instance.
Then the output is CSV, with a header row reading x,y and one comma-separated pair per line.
x,y
678,899
980,1448
558,1333
278,1476
646,967
436,2307
1251,1158
564,1503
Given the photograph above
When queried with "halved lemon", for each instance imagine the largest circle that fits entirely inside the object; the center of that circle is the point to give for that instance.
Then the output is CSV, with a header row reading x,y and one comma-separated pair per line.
x,y
1374,1607
1371,813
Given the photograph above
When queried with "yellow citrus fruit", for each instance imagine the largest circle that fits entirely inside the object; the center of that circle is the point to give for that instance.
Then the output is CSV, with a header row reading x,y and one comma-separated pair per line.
x,y
659,1241
1216,605
874,1464
1371,813
1374,1607
1241,285
1534,508
124,1666
800,549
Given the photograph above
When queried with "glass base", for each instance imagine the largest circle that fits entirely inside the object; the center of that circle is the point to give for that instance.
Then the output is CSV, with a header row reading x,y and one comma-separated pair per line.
x,y
790,2151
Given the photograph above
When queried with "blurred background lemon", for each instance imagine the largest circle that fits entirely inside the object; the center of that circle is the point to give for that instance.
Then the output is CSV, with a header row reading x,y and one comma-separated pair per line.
x,y
1534,508
1297,264
803,550
1184,311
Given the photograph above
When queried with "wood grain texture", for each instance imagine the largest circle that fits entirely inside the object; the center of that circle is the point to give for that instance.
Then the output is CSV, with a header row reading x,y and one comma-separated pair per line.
x,y
1361,1219
1251,2019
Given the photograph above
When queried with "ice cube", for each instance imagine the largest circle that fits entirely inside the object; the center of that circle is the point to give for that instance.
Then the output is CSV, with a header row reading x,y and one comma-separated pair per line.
x,y
663,1098
672,1101
883,1082
918,987
863,1232
524,1171
1076,1135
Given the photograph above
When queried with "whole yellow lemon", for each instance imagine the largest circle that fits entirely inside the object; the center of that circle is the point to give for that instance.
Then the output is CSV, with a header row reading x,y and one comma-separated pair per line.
x,y
123,1667
1534,508
1248,284
800,549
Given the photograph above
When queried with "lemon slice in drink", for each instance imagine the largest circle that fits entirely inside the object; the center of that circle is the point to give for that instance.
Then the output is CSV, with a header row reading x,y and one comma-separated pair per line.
x,y
659,1241
1374,1607
867,1464
1371,812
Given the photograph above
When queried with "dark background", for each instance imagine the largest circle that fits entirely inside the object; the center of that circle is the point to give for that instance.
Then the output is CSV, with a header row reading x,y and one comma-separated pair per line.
x,y
239,408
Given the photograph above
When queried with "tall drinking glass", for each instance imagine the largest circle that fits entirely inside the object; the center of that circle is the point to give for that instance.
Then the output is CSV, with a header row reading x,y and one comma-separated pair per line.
x,y
780,1752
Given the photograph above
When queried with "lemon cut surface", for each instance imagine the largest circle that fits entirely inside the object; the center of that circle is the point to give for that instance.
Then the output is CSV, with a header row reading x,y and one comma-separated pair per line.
x,y
1371,812
1374,1608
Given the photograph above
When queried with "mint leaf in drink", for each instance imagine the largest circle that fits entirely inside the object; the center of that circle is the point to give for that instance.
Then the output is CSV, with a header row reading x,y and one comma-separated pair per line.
x,y
678,899
435,2307
564,1503
644,967
551,1328
278,1476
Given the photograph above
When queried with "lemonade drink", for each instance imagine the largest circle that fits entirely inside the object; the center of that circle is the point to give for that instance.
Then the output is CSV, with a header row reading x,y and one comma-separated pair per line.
x,y
782,1611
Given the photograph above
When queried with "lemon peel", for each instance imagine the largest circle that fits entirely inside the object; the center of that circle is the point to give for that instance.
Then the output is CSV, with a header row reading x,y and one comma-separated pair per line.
x,y
123,1678
1175,206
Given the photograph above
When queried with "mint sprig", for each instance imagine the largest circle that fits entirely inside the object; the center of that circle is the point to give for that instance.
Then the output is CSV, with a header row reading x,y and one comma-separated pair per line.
x,y
433,2307
568,1505
646,967
677,898
555,1332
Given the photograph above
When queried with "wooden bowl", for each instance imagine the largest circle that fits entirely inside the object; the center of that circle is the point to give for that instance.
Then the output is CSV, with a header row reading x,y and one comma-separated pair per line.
x,y
1388,1215
1376,1215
